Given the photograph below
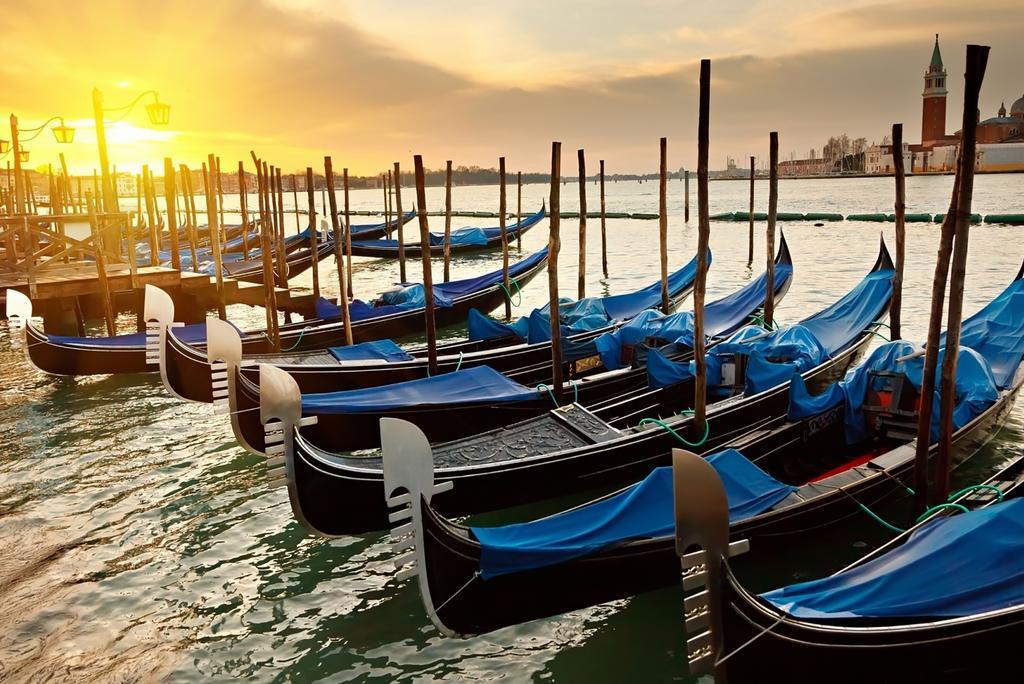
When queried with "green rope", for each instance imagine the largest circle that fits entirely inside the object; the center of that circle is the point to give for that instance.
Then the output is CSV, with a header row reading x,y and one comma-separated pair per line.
x,y
659,422
878,334
973,488
759,319
301,334
883,523
519,293
459,364
575,392
939,507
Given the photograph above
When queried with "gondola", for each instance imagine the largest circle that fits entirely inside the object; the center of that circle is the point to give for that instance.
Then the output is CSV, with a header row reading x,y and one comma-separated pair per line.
x,y
569,449
940,602
502,346
188,373
786,483
462,240
479,398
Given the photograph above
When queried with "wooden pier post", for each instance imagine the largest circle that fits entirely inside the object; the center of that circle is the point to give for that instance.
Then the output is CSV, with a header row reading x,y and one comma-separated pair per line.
x,y
428,279
295,202
170,193
686,195
266,249
896,305
386,181
398,215
703,235
213,227
314,232
339,252
447,220
282,256
581,273
666,305
502,212
604,237
977,60
188,198
750,216
554,245
243,208
773,206
151,214
220,205
101,266
519,209
348,234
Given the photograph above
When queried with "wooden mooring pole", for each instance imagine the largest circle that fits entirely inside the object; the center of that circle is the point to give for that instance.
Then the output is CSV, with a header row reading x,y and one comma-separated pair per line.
x,y
581,277
243,201
339,252
666,305
519,209
977,60
348,234
896,305
750,235
686,195
314,233
604,237
447,220
213,227
773,206
170,194
101,265
703,236
295,203
266,248
398,215
554,245
428,278
502,211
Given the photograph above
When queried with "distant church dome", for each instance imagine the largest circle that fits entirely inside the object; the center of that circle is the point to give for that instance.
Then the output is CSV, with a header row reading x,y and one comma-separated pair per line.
x,y
1017,108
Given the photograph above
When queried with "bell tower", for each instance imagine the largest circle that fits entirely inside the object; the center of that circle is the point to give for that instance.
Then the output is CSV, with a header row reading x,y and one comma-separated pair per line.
x,y
933,108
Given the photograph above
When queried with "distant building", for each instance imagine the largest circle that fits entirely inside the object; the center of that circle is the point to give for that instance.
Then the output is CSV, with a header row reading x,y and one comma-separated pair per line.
x,y
1000,138
879,159
125,185
806,167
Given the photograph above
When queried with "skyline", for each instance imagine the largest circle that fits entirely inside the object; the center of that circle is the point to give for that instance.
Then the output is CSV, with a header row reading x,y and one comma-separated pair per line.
x,y
438,83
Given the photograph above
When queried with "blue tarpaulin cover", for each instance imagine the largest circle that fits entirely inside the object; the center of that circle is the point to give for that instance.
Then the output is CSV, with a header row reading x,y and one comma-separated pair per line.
x,y
794,349
643,511
721,317
975,388
477,385
370,227
382,350
949,567
992,346
443,292
591,313
191,334
470,236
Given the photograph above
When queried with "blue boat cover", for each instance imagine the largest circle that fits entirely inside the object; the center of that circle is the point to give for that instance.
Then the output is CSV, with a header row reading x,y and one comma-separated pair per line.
x,y
443,292
379,350
414,297
642,511
191,334
470,236
949,567
721,317
585,315
370,227
997,332
976,388
477,385
775,358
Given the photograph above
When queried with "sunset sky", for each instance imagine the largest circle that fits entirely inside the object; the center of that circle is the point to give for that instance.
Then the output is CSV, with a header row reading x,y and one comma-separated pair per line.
x,y
374,82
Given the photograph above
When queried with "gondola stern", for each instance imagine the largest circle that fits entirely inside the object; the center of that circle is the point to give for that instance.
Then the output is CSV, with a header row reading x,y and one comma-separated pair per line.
x,y
884,261
783,256
19,318
281,416
1020,273
702,519
408,487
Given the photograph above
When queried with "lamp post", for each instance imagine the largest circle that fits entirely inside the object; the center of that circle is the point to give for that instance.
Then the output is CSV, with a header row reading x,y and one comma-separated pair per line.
x,y
159,114
63,133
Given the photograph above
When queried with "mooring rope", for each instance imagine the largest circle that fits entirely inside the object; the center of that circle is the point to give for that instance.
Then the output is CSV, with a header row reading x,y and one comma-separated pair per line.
x,y
519,292
661,423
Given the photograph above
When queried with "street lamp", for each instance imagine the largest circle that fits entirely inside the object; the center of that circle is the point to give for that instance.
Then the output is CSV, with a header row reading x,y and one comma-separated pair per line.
x,y
63,133
159,114
5,146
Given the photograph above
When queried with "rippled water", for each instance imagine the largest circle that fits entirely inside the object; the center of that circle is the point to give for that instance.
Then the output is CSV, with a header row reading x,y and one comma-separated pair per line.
x,y
138,541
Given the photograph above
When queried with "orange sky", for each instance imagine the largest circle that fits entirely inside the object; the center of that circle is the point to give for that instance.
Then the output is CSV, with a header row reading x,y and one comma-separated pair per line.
x,y
370,83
